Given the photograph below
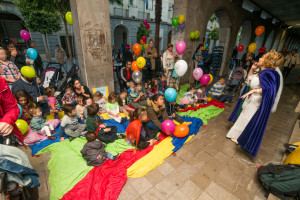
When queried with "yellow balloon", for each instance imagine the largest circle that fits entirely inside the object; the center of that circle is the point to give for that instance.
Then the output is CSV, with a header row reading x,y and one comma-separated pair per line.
x,y
211,79
22,125
141,62
145,45
69,18
252,47
28,72
180,19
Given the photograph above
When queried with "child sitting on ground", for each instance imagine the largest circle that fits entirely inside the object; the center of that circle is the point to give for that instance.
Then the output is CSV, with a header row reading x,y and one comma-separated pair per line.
x,y
171,109
123,103
137,132
38,123
86,101
80,107
189,97
201,94
131,87
217,90
113,109
137,97
95,124
69,97
162,85
93,151
26,102
101,101
52,101
173,84
71,124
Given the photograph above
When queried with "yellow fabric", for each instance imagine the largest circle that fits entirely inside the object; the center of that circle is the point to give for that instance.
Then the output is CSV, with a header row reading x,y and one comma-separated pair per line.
x,y
189,138
51,116
105,116
152,160
294,157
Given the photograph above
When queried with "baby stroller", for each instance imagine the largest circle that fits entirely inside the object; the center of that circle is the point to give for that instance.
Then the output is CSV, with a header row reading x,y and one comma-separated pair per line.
x,y
235,79
52,75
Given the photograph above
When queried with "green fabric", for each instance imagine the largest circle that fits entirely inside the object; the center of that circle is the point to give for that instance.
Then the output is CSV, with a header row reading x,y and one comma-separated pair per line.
x,y
117,147
241,105
203,113
183,89
111,106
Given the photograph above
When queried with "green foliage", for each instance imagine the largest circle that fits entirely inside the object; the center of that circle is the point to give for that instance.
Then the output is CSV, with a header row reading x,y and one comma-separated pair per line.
x,y
215,33
142,31
213,17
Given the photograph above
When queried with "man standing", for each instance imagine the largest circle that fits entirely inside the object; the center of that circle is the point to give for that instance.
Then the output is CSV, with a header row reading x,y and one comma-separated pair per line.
x,y
61,57
126,74
291,61
38,63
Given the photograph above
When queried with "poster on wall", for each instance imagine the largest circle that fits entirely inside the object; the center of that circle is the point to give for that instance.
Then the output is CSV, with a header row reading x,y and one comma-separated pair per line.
x,y
103,90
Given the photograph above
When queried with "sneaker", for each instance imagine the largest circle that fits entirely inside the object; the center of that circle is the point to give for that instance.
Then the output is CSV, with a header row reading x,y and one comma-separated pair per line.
x,y
115,157
234,140
51,137
121,136
53,132
123,120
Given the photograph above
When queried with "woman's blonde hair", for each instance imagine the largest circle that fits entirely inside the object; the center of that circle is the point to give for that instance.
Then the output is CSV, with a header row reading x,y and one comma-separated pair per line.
x,y
272,59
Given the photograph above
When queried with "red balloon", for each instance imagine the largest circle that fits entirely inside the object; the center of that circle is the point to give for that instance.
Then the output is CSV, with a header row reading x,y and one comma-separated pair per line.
x,y
147,26
144,38
240,48
142,42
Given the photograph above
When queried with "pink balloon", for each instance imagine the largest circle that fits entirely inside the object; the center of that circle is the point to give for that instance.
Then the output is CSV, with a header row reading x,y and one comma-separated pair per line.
x,y
168,127
205,79
145,21
180,47
25,35
197,73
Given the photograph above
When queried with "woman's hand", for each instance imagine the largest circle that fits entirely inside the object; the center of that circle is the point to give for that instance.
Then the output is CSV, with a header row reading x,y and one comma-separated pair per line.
x,y
247,94
5,128
102,126
14,52
82,90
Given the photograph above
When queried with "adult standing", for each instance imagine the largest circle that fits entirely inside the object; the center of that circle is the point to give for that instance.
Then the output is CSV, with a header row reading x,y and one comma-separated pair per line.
x,y
199,57
168,62
291,61
151,53
61,57
81,90
127,55
126,74
38,63
246,59
15,55
284,52
263,97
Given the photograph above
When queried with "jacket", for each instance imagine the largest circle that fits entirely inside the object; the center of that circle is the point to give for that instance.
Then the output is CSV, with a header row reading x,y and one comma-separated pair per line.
x,y
291,60
154,113
19,60
94,153
124,75
127,55
31,88
161,86
168,60
151,53
37,123
92,124
9,111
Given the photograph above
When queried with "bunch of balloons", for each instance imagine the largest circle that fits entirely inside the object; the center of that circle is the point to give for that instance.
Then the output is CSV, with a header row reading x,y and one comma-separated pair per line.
x,y
180,20
68,17
180,47
195,35
145,22
143,42
25,35
181,67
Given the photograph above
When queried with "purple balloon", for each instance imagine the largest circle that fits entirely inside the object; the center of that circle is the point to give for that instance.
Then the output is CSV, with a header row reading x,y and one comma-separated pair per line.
x,y
25,35
181,26
205,79
197,73
180,47
168,127
145,22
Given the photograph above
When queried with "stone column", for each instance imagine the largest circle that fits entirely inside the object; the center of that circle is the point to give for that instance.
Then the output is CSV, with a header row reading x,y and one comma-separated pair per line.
x,y
91,23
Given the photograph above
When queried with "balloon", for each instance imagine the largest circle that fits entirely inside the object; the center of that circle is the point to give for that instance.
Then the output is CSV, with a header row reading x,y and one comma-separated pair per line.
x,y
20,111
144,38
32,53
181,26
142,42
240,48
192,35
252,47
168,127
205,79
141,62
69,18
259,30
180,19
170,94
181,67
147,26
134,66
137,76
197,34
211,79
28,72
146,45
197,73
181,131
175,21
206,45
209,37
143,47
180,47
136,49
145,22
25,35
22,125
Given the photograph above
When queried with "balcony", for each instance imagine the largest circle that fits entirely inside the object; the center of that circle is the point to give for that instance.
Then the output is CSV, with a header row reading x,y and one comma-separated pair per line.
x,y
143,15
120,12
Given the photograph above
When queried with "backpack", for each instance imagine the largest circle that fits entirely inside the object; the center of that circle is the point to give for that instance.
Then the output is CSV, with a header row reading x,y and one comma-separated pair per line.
x,y
281,180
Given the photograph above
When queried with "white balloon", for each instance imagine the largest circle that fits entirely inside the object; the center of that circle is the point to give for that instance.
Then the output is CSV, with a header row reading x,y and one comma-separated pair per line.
x,y
181,67
137,76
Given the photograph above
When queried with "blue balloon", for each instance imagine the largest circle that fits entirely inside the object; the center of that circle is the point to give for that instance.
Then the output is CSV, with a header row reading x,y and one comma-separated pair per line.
x,y
32,53
20,111
170,94
206,45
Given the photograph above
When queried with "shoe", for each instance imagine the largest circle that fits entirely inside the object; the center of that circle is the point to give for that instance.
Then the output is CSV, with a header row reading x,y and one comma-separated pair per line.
x,y
234,140
51,137
115,157
123,120
121,136
52,132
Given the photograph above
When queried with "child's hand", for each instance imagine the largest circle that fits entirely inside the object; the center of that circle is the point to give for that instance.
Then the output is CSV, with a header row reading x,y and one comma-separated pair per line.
x,y
107,130
206,99
151,142
47,123
173,115
118,114
62,139
102,126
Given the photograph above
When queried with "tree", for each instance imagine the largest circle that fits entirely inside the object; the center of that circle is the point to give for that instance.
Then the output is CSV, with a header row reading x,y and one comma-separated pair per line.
x,y
142,31
215,33
158,7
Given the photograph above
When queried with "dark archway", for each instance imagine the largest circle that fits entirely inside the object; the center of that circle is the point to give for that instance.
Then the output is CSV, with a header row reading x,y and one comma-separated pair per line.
x,y
121,34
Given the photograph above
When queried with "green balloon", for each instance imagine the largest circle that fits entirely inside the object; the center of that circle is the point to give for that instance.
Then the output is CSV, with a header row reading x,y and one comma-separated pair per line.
x,y
143,47
175,21
192,35
197,34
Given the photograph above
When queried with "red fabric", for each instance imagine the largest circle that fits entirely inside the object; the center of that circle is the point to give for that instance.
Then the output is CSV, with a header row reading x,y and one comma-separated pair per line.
x,y
133,131
9,110
106,181
210,103
128,75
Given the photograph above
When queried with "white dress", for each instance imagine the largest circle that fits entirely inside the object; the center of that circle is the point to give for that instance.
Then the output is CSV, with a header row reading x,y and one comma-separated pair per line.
x,y
250,106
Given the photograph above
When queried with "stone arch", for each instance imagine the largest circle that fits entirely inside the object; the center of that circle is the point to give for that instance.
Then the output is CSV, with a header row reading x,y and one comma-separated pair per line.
x,y
121,33
269,40
245,36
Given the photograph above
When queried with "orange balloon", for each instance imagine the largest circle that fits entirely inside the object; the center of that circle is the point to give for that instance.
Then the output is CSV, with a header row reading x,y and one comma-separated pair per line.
x,y
181,131
259,30
137,49
134,66
142,42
